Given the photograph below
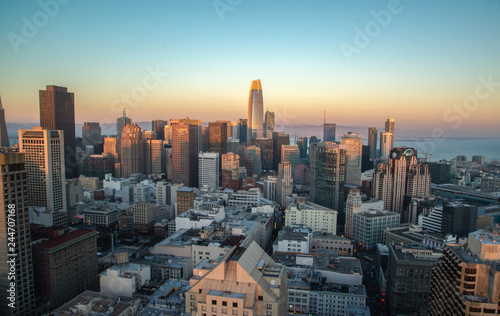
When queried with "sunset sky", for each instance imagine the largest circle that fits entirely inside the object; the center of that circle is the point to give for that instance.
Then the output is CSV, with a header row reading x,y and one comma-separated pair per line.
x,y
420,61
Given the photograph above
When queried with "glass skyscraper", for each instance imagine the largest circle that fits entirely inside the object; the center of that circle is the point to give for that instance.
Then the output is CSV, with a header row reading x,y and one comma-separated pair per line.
x,y
256,110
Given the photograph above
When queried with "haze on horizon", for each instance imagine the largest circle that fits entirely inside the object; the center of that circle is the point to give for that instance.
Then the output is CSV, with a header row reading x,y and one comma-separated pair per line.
x,y
419,62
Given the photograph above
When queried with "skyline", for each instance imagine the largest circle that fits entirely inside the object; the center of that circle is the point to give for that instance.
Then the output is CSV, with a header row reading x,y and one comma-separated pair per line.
x,y
199,60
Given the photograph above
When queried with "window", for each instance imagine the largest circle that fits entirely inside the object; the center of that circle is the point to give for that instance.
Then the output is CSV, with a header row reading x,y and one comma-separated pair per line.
x,y
224,303
214,302
260,298
269,306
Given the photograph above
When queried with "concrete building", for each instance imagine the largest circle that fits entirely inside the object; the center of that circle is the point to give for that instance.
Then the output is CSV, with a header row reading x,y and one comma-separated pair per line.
x,y
314,216
409,278
91,303
354,147
185,141
16,266
166,192
208,169
386,141
466,280
154,157
372,142
284,184
244,282
197,219
165,267
279,139
291,154
144,217
294,239
65,263
91,133
217,137
368,227
132,150
124,279
103,216
185,199
90,183
270,184
245,198
230,163
341,244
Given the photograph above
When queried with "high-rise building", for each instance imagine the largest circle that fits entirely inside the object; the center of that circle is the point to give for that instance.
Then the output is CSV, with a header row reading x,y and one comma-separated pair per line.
x,y
91,133
284,185
4,136
255,111
266,148
16,267
243,282
303,147
185,154
329,130
291,154
279,139
132,150
57,112
390,127
185,200
143,217
217,137
230,171
269,124
401,176
158,126
65,263
154,156
354,147
368,226
372,142
243,131
386,141
44,154
409,278
208,169
121,122
353,206
466,280
327,176
252,160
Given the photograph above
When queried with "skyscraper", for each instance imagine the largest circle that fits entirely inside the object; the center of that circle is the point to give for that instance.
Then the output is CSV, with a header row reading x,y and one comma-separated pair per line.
x,y
217,137
230,171
158,126
121,122
243,131
291,154
269,124
352,206
57,112
256,110
354,147
303,147
154,156
390,127
284,185
16,267
386,141
44,154
185,154
329,130
91,133
279,139
327,176
4,136
208,169
401,176
132,150
372,141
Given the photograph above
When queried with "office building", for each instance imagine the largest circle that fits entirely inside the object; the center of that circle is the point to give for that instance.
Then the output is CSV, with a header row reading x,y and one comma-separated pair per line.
x,y
217,137
312,215
401,176
243,282
158,126
466,279
329,130
284,185
255,115
279,139
44,156
353,206
386,140
353,150
327,175
185,153
390,127
16,285
269,124
65,263
440,172
57,112
143,218
252,160
185,199
154,157
230,171
409,278
132,151
368,226
4,136
372,142
208,169
267,150
291,154
303,147
91,133
243,132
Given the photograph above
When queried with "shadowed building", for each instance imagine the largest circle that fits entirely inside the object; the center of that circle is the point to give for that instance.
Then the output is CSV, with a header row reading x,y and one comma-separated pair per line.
x,y
390,127
372,142
4,136
256,110
158,126
269,124
132,151
354,147
185,154
279,139
91,133
217,137
57,112
14,209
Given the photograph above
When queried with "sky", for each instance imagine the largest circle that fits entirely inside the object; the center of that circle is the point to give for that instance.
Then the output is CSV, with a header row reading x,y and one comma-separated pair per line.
x,y
432,65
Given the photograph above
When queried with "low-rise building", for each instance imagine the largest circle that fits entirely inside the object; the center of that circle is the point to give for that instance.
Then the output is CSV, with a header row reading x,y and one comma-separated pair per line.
x,y
124,279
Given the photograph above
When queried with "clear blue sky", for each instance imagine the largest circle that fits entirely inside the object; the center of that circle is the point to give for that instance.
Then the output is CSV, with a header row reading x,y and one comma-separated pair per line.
x,y
427,58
